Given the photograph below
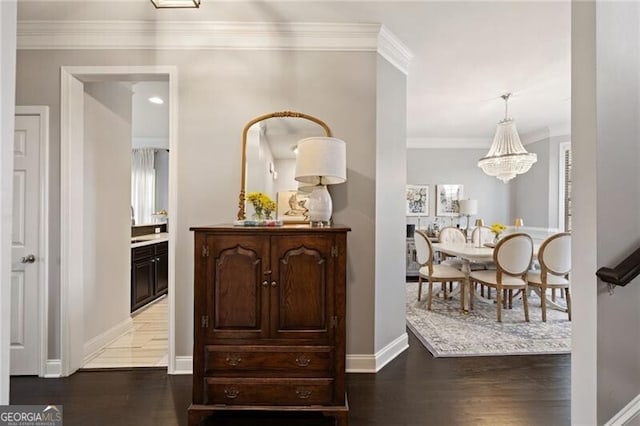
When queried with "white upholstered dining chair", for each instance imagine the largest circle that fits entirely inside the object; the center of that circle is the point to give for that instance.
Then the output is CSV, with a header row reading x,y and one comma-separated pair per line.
x,y
512,256
484,233
554,256
430,272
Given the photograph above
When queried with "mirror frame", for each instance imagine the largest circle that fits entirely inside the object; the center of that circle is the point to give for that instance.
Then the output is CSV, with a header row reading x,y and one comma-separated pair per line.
x,y
281,114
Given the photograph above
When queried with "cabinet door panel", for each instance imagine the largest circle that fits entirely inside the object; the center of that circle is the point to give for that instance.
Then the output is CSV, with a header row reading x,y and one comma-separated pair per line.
x,y
302,300
162,269
142,279
237,301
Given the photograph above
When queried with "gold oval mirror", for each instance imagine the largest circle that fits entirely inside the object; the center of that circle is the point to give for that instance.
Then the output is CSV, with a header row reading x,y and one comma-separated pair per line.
x,y
268,153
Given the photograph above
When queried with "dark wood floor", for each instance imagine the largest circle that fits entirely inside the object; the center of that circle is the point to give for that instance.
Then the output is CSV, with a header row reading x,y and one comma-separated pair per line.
x,y
414,389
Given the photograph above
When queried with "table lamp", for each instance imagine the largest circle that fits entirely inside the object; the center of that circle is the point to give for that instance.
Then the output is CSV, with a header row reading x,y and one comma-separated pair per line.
x,y
321,161
468,208
479,224
518,223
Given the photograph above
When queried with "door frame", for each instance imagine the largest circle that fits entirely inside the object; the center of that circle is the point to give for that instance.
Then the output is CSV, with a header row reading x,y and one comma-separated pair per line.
x,y
42,112
72,79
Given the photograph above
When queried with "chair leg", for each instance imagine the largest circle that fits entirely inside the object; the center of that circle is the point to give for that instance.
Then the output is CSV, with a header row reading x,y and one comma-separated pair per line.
x,y
504,298
462,296
543,303
444,291
499,304
419,288
471,296
553,294
430,295
450,286
525,304
510,299
568,296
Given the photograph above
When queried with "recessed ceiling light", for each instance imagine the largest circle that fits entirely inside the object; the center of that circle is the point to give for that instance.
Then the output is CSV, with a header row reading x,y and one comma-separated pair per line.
x,y
159,4
156,100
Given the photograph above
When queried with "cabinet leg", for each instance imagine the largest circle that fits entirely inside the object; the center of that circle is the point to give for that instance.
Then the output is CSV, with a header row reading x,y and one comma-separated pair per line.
x,y
341,417
195,417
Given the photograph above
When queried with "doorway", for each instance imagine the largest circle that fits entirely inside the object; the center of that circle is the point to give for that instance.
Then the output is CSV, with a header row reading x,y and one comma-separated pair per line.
x,y
30,241
77,262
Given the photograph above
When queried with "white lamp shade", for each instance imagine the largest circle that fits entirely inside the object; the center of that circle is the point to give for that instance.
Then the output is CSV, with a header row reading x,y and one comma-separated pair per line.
x,y
468,207
321,161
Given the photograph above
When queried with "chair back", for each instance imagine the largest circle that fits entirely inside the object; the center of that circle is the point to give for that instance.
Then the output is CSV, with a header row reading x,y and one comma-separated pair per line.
x,y
424,250
513,254
554,254
484,233
450,234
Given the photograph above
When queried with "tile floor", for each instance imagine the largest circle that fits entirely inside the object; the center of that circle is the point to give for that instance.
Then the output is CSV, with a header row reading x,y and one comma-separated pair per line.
x,y
145,345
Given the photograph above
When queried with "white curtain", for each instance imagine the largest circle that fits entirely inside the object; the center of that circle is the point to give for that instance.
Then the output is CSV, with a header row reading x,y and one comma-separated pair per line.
x,y
143,185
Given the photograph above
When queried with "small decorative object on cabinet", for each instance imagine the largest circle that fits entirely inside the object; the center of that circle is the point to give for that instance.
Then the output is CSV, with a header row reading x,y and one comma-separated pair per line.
x,y
269,318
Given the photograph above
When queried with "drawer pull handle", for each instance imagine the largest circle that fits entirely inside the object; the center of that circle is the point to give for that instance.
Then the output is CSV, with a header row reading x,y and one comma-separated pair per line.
x,y
303,361
273,283
265,283
303,393
233,360
231,393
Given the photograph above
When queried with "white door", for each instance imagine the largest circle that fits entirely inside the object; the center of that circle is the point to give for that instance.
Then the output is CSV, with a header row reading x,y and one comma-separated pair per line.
x,y
25,314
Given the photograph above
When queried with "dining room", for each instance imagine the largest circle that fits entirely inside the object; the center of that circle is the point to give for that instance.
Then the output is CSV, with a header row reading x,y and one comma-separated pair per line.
x,y
449,194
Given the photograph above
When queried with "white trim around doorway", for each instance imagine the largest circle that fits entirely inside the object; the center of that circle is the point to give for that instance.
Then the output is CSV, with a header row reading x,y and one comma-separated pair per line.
x,y
72,200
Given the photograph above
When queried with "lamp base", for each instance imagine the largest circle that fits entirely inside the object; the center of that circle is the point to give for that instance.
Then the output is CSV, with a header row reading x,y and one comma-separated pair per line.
x,y
320,206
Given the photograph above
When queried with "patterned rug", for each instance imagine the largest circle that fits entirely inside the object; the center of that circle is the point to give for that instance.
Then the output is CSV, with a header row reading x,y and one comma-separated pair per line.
x,y
446,332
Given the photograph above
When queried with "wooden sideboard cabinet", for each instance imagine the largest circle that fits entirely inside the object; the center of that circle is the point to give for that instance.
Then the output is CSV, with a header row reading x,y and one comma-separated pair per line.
x,y
269,320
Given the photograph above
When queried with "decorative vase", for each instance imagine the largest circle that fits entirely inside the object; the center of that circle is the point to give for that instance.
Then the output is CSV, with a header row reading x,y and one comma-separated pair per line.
x,y
258,215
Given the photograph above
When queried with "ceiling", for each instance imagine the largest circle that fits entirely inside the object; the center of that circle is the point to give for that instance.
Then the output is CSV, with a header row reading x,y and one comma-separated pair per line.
x,y
466,54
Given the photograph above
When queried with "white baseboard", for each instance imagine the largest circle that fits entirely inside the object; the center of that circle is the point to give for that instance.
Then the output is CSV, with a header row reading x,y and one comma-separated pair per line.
x,y
184,365
629,412
53,368
354,363
372,363
100,341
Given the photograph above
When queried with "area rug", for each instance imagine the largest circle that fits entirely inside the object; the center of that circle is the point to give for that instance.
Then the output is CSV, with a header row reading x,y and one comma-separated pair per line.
x,y
447,332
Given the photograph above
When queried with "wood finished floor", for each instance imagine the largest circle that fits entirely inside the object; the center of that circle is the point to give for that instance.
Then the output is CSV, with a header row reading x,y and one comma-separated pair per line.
x,y
413,390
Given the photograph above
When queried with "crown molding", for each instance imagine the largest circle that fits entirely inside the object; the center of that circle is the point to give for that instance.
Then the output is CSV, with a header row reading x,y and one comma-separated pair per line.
x,y
214,35
394,50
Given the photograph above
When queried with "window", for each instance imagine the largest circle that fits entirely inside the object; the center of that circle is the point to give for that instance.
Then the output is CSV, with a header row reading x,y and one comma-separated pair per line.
x,y
565,201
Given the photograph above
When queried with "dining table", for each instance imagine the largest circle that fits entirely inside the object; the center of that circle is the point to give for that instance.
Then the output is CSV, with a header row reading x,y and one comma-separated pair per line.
x,y
470,252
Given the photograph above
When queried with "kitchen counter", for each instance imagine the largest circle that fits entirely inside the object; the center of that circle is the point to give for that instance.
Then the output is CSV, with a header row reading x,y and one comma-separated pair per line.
x,y
145,240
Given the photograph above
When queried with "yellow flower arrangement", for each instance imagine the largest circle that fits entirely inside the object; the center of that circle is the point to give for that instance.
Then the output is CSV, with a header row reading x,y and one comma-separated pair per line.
x,y
497,228
262,204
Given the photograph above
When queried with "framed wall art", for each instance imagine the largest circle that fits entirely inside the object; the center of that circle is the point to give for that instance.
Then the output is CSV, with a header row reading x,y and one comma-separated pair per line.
x,y
447,199
292,207
417,200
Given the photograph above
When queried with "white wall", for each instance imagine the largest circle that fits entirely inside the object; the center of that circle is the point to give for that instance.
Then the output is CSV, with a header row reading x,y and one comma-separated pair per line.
x,y
618,202
534,195
606,182
391,163
434,166
107,155
216,99
8,13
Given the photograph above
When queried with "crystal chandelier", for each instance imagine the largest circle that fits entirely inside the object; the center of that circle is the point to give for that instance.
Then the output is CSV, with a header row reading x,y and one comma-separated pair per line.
x,y
507,157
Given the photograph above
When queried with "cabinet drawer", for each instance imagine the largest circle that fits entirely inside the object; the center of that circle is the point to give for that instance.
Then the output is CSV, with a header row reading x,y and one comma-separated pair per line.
x,y
142,252
268,391
292,361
